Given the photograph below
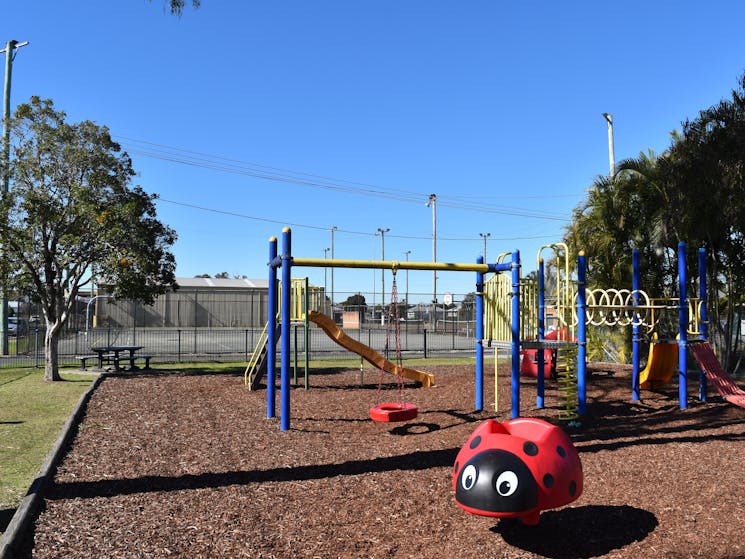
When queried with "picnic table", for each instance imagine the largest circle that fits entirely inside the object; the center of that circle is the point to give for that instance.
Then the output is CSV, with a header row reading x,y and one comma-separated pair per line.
x,y
113,353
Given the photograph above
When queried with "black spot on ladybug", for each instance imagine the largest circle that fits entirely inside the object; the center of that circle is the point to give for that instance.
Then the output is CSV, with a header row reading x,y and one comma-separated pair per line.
x,y
548,481
572,488
561,452
530,448
476,441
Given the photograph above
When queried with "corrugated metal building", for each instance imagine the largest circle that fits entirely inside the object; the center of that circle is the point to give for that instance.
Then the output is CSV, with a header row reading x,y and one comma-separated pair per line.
x,y
198,303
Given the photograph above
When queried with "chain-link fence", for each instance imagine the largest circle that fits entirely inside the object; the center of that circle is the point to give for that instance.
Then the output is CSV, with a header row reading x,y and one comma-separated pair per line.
x,y
231,324
237,344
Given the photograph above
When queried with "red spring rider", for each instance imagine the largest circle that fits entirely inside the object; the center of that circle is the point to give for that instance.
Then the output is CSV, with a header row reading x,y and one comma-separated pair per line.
x,y
516,469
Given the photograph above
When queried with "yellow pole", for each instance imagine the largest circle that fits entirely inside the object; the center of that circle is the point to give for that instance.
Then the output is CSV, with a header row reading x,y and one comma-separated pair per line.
x,y
392,264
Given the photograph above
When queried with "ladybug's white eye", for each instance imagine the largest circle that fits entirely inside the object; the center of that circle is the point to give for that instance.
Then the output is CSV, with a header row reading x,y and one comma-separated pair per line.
x,y
468,477
506,483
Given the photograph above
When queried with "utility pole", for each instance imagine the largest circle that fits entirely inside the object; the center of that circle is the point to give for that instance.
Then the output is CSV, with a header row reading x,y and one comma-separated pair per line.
x,y
407,253
485,236
611,154
432,201
382,270
10,50
325,269
334,228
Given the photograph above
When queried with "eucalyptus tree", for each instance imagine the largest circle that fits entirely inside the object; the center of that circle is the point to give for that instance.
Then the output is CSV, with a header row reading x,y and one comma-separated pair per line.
x,y
71,207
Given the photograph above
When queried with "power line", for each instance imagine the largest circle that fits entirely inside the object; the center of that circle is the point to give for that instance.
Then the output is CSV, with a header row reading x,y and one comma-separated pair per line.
x,y
264,172
347,231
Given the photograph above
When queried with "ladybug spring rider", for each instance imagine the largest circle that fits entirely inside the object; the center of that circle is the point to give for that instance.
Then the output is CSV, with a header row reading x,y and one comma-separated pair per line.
x,y
517,469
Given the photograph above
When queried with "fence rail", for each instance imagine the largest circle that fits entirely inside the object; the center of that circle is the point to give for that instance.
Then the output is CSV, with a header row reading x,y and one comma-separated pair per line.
x,y
169,345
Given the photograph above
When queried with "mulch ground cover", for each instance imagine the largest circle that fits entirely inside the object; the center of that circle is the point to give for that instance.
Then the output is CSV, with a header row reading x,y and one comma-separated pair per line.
x,y
177,465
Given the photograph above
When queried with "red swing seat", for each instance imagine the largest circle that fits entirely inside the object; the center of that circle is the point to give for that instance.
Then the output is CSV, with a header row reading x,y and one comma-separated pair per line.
x,y
392,411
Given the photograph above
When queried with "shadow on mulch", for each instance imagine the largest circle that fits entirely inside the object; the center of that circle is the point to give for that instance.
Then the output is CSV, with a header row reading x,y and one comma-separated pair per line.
x,y
580,532
419,460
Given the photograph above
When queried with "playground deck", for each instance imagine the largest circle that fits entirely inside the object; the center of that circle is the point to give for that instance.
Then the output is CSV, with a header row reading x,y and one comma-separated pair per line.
x,y
179,465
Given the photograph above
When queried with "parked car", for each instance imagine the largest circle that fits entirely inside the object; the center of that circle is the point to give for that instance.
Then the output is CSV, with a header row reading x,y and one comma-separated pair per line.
x,y
16,326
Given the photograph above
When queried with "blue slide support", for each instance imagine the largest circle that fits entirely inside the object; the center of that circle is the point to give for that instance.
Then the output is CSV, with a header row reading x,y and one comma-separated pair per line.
x,y
682,326
540,355
515,334
581,334
636,327
271,330
479,337
284,403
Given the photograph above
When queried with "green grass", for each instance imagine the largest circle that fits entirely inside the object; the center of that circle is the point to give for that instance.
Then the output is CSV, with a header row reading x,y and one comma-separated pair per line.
x,y
32,414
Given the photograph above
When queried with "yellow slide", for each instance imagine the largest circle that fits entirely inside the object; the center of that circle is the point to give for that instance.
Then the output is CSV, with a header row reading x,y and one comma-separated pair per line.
x,y
661,365
367,353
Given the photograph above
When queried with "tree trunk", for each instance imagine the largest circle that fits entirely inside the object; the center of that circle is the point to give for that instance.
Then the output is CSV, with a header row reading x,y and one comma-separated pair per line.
x,y
51,350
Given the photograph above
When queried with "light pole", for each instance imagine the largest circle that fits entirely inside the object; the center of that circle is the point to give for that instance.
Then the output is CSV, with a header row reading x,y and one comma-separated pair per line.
x,y
485,236
432,201
611,155
325,269
334,228
10,50
382,232
407,253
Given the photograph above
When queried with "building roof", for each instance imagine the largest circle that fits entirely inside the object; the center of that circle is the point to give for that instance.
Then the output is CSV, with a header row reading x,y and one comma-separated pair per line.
x,y
220,283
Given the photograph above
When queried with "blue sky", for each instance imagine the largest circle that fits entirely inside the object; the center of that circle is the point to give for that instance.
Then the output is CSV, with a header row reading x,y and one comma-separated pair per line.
x,y
247,116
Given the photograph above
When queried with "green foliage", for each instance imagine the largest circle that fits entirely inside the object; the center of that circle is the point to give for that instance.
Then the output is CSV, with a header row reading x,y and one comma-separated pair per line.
x,y
71,209
694,192
177,6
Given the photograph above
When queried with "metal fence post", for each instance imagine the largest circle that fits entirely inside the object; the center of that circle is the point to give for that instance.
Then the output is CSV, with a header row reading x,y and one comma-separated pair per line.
x,y
425,342
36,348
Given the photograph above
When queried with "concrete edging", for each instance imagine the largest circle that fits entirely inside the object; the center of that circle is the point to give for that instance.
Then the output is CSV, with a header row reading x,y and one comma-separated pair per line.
x,y
29,507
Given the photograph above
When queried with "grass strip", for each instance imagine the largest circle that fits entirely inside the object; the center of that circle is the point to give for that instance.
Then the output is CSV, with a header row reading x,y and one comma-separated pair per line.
x,y
32,413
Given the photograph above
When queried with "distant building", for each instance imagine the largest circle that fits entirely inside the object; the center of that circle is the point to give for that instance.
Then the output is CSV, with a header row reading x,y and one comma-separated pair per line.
x,y
198,303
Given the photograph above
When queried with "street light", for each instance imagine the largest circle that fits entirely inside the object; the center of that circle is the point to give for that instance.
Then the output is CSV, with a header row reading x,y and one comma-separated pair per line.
x,y
611,155
382,270
485,236
432,201
325,269
407,253
334,228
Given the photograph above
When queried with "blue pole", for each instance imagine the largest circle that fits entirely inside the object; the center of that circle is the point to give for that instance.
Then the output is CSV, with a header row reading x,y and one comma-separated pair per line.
x,y
284,402
703,316
271,330
540,355
581,334
635,329
515,334
683,326
479,337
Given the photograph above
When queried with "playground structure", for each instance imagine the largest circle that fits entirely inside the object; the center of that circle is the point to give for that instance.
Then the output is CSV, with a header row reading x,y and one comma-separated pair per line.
x,y
286,261
512,313
576,307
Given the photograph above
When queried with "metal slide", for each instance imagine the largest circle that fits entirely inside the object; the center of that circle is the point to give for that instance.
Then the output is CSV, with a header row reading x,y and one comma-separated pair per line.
x,y
367,353
723,383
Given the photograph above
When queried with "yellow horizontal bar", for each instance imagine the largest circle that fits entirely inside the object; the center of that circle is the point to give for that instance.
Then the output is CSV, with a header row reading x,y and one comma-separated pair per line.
x,y
390,264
